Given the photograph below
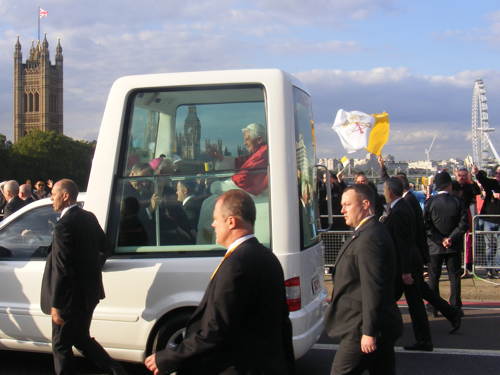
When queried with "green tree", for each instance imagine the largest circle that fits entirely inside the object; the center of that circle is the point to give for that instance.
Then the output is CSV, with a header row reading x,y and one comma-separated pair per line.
x,y
49,155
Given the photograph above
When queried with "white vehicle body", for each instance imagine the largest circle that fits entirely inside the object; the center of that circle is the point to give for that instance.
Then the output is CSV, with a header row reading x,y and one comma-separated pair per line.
x,y
149,288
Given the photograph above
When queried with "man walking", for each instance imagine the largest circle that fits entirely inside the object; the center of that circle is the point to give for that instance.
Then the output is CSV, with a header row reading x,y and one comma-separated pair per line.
x,y
72,281
363,313
401,223
241,325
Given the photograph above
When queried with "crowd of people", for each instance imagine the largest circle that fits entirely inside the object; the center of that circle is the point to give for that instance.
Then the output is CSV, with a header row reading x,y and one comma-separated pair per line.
x,y
232,331
14,196
477,192
393,240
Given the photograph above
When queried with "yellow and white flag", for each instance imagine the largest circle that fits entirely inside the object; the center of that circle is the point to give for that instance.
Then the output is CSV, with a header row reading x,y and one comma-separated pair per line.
x,y
358,130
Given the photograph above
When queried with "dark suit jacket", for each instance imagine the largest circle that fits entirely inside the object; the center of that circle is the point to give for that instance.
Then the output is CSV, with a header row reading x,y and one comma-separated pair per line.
x,y
72,278
420,235
241,325
12,206
363,297
401,226
445,216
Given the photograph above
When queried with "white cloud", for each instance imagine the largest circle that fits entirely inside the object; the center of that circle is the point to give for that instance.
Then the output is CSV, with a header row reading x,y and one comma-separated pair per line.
x,y
420,106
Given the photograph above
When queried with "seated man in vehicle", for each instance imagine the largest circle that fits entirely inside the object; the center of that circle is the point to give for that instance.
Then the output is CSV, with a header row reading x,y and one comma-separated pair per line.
x,y
246,178
175,228
187,195
132,232
143,191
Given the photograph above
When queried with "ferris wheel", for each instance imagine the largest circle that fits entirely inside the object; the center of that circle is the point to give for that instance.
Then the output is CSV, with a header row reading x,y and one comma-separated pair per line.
x,y
483,151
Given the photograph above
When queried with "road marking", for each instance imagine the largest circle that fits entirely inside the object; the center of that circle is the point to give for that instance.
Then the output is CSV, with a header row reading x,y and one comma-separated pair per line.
x,y
447,351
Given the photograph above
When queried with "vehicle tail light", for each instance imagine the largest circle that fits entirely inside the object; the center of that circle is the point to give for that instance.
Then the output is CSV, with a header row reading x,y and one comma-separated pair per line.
x,y
292,287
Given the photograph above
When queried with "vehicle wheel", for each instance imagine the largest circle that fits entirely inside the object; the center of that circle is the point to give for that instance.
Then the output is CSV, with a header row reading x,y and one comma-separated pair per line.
x,y
172,332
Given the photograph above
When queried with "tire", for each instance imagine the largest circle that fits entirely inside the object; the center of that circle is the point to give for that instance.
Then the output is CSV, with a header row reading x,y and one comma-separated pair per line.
x,y
171,332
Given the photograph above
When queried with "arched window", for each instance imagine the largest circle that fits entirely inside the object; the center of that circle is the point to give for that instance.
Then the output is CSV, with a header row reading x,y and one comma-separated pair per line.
x,y
25,103
37,102
30,103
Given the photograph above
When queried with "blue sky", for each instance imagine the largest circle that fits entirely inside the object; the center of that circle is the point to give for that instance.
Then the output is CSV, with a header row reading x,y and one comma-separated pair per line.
x,y
415,59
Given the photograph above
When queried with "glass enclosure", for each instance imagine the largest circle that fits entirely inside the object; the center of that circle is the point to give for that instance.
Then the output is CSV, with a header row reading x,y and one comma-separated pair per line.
x,y
182,149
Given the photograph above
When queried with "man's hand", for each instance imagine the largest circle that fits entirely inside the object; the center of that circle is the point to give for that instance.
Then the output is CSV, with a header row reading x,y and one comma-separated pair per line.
x,y
447,242
496,195
368,344
380,160
150,363
56,316
155,201
407,278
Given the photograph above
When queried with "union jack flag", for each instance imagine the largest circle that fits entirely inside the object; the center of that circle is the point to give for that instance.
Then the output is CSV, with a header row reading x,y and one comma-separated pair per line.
x,y
43,13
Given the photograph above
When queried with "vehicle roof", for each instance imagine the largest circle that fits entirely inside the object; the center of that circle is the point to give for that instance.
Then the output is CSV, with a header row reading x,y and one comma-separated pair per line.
x,y
31,206
209,77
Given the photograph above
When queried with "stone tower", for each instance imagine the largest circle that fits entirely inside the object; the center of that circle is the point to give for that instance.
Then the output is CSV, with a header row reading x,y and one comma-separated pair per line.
x,y
192,135
38,90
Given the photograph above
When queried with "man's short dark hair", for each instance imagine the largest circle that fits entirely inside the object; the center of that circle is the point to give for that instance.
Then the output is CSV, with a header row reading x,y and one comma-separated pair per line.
x,y
70,187
364,191
359,173
395,186
238,203
404,179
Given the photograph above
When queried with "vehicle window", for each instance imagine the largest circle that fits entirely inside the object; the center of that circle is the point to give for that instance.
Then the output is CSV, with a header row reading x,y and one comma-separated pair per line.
x,y
183,149
29,235
305,144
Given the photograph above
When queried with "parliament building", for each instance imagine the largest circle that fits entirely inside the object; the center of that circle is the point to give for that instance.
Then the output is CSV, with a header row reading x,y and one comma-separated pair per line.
x,y
38,90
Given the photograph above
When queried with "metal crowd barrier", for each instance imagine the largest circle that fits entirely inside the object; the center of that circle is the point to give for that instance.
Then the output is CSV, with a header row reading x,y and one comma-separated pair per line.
x,y
332,242
485,243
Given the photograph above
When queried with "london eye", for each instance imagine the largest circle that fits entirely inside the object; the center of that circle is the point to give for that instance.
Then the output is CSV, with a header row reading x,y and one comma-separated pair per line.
x,y
483,151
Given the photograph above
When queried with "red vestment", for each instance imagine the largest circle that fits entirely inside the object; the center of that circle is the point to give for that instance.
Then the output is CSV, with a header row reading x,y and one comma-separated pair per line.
x,y
252,182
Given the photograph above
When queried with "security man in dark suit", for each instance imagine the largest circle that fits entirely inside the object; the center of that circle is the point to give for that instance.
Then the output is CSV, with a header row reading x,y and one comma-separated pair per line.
x,y
451,313
72,282
363,312
445,220
241,325
401,223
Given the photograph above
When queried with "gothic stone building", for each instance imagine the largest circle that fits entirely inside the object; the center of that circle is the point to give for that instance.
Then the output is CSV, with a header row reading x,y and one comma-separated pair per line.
x,y
38,90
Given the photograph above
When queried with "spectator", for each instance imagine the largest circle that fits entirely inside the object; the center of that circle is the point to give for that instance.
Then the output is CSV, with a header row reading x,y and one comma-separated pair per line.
x,y
11,193
491,206
40,190
26,193
360,178
2,198
446,222
337,188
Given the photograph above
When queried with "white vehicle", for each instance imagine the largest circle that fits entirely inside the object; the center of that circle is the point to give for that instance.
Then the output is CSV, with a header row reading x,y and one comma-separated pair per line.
x,y
169,144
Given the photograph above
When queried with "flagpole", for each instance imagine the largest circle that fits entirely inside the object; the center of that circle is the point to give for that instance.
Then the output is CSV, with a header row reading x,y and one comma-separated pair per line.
x,y
38,17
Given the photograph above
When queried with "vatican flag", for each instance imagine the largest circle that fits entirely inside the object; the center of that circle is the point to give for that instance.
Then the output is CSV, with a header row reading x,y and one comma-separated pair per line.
x,y
358,130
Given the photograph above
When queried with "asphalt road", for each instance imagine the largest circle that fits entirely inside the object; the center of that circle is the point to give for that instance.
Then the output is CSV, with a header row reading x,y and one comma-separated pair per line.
x,y
475,349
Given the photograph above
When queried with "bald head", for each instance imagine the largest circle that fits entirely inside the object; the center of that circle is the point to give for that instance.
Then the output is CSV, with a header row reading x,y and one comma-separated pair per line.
x,y
68,186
